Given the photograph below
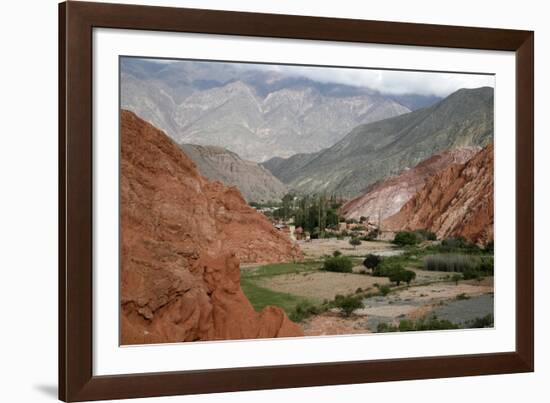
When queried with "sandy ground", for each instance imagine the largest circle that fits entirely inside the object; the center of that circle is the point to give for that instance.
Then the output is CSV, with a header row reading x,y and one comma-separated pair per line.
x,y
321,285
331,324
416,302
316,248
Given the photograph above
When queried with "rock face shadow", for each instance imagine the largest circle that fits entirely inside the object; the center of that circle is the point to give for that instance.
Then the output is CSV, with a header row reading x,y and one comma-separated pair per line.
x,y
47,390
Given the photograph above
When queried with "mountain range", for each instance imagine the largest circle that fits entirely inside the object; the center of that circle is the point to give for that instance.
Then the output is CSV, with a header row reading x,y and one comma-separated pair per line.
x,y
375,151
257,113
255,183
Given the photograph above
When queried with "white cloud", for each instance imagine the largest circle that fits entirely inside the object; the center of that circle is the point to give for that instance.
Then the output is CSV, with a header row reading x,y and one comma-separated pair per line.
x,y
392,82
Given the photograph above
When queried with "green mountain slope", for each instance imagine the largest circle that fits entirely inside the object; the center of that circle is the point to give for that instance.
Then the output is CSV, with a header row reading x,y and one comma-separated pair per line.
x,y
374,151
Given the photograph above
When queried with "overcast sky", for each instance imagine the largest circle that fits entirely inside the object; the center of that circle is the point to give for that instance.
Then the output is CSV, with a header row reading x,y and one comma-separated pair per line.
x,y
389,81
386,81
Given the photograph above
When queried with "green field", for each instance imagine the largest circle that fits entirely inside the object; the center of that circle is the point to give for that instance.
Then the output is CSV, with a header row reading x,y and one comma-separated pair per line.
x,y
261,297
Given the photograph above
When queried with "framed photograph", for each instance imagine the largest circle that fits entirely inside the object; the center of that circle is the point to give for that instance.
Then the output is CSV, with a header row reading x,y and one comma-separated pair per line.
x,y
253,201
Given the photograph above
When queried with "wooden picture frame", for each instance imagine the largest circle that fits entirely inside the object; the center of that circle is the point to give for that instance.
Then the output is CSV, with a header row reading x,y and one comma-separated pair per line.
x,y
76,23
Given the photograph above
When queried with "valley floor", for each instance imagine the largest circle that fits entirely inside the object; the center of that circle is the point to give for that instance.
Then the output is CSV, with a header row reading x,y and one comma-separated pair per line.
x,y
304,291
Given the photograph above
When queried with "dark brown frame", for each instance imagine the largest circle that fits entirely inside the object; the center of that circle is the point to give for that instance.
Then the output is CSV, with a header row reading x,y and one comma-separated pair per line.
x,y
76,22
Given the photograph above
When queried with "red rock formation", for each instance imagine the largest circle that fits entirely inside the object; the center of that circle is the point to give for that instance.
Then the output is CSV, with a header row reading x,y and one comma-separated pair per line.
x,y
182,238
456,202
386,197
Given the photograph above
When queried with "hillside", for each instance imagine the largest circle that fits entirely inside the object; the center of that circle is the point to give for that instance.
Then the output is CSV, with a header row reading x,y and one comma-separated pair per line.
x,y
377,150
182,238
258,114
255,183
455,202
386,197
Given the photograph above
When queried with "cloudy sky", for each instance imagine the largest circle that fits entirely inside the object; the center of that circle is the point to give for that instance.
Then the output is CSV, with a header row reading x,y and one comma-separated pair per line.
x,y
392,82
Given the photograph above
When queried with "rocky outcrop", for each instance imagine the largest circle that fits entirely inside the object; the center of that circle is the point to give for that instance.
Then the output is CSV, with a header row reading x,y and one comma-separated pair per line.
x,y
255,183
386,197
455,202
182,238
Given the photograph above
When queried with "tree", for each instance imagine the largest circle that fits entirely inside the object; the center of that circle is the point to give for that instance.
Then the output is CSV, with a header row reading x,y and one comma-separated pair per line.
x,y
355,242
409,276
402,275
339,264
371,261
404,238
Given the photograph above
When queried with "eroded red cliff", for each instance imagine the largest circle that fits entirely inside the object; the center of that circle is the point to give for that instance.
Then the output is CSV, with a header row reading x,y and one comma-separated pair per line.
x,y
182,240
455,202
386,197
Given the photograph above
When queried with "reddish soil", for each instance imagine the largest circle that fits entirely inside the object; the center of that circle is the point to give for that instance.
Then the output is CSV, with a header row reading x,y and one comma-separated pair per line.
x,y
455,202
182,240
386,197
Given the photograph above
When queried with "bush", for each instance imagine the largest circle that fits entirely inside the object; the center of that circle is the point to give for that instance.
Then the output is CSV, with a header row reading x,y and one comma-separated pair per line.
x,y
456,278
384,290
426,235
486,265
336,253
303,311
450,263
419,325
472,274
339,264
486,321
371,261
355,242
349,303
490,247
404,238
372,235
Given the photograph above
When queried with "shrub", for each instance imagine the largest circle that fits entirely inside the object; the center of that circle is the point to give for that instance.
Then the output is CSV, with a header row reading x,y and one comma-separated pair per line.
x,y
303,311
373,234
371,261
490,247
339,264
486,321
449,263
354,242
486,265
419,325
348,303
456,278
336,253
404,238
384,290
426,235
408,276
472,274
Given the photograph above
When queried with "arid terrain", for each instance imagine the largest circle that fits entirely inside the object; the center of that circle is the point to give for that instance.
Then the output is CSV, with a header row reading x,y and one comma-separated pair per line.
x,y
261,201
307,283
